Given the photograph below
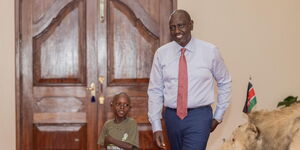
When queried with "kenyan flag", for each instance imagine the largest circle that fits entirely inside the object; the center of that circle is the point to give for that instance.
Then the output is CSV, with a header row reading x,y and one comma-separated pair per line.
x,y
250,99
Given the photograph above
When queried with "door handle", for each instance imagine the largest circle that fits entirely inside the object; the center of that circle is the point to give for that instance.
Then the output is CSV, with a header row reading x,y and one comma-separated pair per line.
x,y
92,89
101,97
101,79
101,11
101,100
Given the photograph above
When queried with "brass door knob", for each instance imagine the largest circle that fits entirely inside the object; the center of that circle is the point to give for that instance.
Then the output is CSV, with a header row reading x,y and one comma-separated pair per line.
x,y
92,89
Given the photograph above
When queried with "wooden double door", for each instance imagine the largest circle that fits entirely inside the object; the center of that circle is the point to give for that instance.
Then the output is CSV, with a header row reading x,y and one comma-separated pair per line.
x,y
73,56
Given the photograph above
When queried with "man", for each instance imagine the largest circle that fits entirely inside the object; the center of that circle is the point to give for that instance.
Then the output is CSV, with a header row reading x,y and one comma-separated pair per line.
x,y
182,79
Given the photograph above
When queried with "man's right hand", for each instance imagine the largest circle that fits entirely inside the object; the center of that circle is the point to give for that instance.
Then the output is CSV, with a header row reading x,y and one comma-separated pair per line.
x,y
159,139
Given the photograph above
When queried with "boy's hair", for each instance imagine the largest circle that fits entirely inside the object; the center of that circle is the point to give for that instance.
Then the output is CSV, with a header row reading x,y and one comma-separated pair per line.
x,y
122,94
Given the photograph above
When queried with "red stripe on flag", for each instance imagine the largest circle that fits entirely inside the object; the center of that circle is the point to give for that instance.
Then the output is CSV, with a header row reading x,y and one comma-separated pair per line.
x,y
251,93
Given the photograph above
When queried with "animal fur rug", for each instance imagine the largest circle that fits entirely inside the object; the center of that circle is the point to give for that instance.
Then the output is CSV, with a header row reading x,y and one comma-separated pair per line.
x,y
268,130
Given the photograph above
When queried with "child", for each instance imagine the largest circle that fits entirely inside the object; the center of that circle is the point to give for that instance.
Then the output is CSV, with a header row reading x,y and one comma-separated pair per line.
x,y
121,132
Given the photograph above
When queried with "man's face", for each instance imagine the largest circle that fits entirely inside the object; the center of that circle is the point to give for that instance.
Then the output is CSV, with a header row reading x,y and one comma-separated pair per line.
x,y
121,107
180,27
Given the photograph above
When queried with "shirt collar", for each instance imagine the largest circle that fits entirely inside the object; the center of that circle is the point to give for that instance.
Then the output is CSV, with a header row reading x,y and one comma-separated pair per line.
x,y
188,47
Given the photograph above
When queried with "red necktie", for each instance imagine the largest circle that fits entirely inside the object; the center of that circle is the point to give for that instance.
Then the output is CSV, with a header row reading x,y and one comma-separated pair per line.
x,y
182,87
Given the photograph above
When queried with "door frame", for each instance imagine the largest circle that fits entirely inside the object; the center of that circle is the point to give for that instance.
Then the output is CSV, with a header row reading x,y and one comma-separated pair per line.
x,y
18,44
17,72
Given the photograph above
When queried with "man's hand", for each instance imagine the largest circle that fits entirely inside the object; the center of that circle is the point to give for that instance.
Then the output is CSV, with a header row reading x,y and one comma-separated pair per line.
x,y
214,124
159,139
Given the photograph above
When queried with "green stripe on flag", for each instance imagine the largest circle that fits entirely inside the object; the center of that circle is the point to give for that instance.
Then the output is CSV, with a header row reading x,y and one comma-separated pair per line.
x,y
252,103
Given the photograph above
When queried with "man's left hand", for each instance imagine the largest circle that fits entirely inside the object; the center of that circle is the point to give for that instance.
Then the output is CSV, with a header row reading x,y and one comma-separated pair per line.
x,y
214,124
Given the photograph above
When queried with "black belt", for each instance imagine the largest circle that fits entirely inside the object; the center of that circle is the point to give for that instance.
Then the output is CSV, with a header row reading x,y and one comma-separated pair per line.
x,y
189,109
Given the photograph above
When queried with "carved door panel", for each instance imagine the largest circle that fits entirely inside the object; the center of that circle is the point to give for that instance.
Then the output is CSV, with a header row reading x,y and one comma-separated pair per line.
x,y
65,46
57,62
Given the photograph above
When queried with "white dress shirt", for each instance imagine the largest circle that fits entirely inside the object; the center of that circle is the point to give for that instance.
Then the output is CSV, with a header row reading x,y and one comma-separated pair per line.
x,y
205,65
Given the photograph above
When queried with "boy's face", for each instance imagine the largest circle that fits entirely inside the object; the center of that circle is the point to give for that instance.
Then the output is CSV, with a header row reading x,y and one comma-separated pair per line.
x,y
121,107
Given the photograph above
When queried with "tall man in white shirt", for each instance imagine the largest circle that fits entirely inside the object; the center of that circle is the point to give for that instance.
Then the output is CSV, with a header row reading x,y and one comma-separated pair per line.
x,y
194,66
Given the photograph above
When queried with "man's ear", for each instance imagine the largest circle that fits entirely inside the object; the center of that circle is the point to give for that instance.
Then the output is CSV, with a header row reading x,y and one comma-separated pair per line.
x,y
192,24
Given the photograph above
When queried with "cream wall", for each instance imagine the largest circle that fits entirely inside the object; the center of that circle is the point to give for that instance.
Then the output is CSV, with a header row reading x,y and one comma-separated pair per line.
x,y
7,76
257,38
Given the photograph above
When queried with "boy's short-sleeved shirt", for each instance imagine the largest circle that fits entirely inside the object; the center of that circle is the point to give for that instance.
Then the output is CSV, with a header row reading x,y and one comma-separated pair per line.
x,y
125,131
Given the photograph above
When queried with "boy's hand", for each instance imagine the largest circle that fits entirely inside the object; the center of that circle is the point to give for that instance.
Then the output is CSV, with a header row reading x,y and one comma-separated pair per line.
x,y
159,139
110,140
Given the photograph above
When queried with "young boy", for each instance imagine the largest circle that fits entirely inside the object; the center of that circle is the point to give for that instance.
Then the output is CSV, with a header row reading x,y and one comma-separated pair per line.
x,y
120,133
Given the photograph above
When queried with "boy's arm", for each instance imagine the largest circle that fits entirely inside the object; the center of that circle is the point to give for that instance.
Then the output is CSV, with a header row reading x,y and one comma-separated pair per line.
x,y
121,144
101,139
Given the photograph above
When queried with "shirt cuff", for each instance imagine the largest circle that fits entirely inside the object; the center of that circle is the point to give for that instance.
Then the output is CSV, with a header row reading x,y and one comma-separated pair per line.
x,y
156,125
218,115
